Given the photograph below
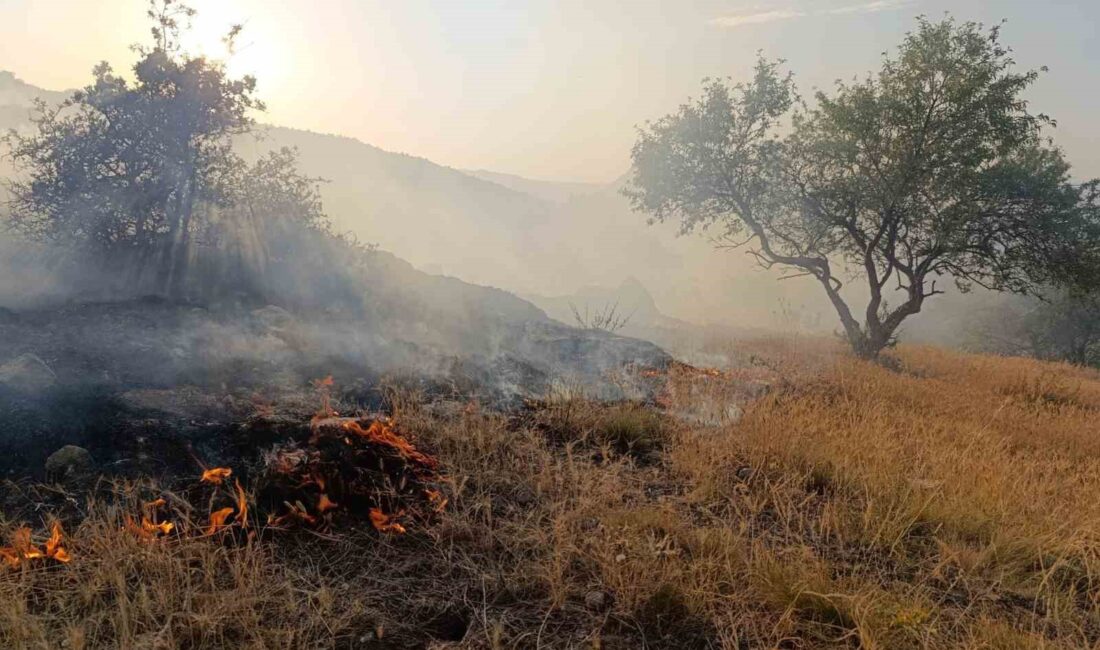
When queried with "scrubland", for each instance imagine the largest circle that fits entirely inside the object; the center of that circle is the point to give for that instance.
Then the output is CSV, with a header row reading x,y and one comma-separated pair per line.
x,y
938,500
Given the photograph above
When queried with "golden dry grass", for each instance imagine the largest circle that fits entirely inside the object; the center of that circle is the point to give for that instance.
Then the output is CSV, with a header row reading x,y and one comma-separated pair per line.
x,y
180,591
951,502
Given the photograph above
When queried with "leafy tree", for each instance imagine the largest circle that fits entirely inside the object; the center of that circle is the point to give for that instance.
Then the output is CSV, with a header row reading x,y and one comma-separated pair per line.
x,y
129,169
270,215
1063,324
931,168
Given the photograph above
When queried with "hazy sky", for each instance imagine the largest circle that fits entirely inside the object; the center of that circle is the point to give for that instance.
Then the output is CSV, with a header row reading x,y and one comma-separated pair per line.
x,y
544,88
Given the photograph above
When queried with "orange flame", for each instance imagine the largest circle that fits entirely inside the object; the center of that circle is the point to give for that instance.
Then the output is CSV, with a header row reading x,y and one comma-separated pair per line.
x,y
23,549
216,475
436,498
381,433
163,527
149,529
324,504
21,540
242,505
386,523
217,520
10,557
54,549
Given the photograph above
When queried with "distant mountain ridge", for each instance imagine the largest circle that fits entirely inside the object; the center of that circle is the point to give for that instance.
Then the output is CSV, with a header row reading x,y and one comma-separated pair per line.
x,y
14,92
529,237
555,191
436,217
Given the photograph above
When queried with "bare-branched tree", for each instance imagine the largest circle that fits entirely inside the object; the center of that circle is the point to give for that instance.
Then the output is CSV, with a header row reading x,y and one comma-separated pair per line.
x,y
606,319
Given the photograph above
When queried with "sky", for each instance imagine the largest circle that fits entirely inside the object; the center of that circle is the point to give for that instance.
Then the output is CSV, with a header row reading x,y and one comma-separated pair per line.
x,y
549,89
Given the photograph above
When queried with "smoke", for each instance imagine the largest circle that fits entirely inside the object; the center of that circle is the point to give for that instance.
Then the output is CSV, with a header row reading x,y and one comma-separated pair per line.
x,y
542,240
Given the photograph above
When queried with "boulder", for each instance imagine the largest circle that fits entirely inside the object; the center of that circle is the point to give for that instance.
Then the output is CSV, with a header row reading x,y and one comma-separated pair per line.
x,y
27,373
68,463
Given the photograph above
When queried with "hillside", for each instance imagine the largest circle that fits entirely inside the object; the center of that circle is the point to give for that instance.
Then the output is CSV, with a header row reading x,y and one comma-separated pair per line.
x,y
947,504
556,192
17,94
543,238
438,218
537,238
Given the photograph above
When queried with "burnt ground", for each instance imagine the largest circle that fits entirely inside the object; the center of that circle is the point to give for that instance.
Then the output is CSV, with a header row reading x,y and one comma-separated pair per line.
x,y
158,391
155,388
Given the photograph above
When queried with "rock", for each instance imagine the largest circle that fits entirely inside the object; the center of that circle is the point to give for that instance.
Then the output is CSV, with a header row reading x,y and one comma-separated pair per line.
x,y
597,601
27,373
68,463
744,473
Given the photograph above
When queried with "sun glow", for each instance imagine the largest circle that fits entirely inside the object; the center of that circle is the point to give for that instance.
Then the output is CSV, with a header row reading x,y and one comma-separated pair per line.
x,y
253,51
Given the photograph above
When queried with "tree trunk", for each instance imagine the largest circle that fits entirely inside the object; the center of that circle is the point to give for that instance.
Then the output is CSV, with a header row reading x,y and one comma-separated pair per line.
x,y
177,251
870,339
182,253
868,346
878,334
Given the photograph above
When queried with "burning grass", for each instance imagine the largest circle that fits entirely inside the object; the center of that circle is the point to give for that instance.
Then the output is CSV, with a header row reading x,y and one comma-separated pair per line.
x,y
949,503
164,589
351,467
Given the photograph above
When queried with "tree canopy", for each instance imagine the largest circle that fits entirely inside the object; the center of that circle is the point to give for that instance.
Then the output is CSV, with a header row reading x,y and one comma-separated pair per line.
x,y
143,172
933,168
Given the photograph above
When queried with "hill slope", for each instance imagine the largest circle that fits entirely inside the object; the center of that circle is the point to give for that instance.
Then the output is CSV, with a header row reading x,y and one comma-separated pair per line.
x,y
950,504
497,229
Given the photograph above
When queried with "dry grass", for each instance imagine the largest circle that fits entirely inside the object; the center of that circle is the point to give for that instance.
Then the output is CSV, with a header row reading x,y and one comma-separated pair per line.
x,y
180,591
951,503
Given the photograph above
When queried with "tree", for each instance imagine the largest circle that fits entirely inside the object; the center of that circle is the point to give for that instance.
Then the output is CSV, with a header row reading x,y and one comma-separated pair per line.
x,y
1060,325
931,168
123,168
271,214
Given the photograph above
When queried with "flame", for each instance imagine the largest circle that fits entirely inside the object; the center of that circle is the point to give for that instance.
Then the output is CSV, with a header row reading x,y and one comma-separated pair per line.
x,y
242,505
149,529
163,527
153,505
436,498
23,549
10,557
216,475
217,520
324,504
386,523
379,432
54,549
21,541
